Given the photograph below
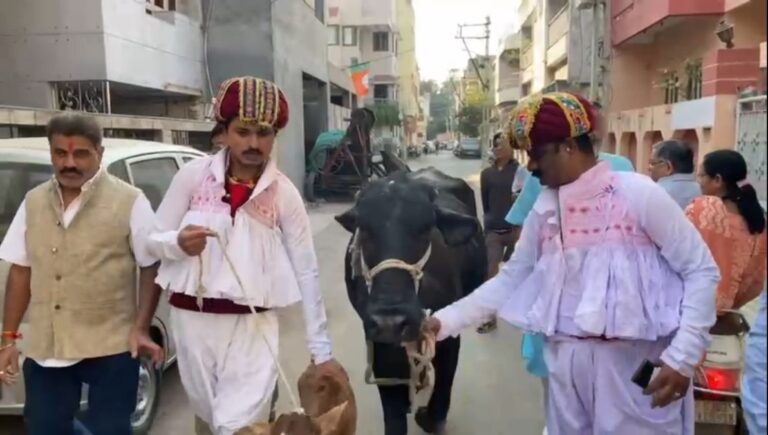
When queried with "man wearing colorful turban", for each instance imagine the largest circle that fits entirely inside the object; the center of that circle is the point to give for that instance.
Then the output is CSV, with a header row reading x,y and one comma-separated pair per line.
x,y
235,239
612,274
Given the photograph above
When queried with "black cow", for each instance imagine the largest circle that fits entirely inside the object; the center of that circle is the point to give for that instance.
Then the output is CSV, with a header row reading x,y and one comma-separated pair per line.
x,y
401,217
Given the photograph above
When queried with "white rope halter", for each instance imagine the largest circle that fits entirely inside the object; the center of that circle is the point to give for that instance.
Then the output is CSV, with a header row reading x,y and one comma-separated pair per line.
x,y
420,354
416,269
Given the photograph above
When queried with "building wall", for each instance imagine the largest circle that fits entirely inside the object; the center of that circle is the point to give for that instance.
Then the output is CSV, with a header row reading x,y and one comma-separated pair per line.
x,y
300,46
43,41
240,40
540,29
78,40
408,70
168,46
639,118
365,12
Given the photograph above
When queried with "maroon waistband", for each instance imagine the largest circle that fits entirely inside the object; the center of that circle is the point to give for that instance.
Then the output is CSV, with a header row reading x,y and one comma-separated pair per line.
x,y
210,305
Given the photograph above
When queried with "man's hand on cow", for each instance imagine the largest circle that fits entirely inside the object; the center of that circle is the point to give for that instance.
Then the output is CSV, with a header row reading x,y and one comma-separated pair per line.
x,y
192,239
432,326
667,386
333,369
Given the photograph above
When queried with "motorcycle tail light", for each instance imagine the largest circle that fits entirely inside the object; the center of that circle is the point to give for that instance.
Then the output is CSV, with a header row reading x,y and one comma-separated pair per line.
x,y
723,379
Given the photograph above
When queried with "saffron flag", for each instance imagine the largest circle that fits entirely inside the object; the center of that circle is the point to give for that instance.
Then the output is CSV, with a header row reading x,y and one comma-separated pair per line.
x,y
360,74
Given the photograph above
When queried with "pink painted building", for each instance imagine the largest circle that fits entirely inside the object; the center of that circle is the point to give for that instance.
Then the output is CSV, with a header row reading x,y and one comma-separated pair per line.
x,y
673,77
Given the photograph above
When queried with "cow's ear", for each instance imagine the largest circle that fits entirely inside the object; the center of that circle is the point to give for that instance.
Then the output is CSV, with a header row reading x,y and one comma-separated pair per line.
x,y
348,220
329,422
456,228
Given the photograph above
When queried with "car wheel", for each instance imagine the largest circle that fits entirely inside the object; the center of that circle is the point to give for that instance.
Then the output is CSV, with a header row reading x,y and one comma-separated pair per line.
x,y
147,398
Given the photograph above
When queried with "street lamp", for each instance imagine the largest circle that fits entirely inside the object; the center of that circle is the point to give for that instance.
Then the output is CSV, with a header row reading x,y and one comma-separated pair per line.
x,y
724,32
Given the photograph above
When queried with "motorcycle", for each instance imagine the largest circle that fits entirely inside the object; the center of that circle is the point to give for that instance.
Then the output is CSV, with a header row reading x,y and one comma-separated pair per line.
x,y
717,382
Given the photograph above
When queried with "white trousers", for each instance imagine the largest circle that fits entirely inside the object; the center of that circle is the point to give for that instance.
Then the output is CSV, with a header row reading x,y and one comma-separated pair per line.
x,y
225,366
591,390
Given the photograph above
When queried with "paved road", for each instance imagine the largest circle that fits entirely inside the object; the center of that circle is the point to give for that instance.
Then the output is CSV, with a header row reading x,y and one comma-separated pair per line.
x,y
492,395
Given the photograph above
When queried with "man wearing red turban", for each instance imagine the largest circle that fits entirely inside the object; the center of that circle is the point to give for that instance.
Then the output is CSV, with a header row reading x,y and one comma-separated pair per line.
x,y
235,239
612,274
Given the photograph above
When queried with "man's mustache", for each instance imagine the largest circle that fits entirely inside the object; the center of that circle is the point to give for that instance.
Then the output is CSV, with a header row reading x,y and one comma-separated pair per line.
x,y
253,153
74,171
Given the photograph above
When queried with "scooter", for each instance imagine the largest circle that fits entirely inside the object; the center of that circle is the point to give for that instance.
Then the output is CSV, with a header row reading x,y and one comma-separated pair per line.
x,y
717,382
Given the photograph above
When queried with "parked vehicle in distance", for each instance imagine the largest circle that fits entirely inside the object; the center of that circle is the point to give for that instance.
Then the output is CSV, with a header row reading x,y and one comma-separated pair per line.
x,y
468,147
150,166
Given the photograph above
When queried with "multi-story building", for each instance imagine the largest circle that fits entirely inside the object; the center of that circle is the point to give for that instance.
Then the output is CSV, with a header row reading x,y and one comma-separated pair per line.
x,y
677,71
409,80
137,65
507,83
149,68
556,44
367,33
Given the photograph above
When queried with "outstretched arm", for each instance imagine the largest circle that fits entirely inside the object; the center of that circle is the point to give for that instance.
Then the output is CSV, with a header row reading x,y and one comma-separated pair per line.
x,y
484,302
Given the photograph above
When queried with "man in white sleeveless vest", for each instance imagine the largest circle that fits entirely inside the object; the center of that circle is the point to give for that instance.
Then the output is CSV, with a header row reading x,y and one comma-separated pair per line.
x,y
74,246
235,239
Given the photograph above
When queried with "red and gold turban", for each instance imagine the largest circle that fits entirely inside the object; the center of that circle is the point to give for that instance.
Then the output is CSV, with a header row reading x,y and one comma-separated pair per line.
x,y
251,100
548,118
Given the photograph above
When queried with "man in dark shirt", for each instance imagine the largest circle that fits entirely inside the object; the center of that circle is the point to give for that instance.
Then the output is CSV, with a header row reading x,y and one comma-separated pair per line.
x,y
496,194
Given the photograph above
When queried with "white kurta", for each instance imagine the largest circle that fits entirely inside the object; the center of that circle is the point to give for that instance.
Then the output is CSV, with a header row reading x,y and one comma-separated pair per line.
x,y
270,243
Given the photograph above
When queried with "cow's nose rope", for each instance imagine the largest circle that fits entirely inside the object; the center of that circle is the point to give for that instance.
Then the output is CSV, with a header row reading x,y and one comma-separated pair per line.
x,y
422,378
255,323
421,353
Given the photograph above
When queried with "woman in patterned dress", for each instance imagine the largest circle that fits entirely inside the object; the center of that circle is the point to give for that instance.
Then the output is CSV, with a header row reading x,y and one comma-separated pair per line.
x,y
732,223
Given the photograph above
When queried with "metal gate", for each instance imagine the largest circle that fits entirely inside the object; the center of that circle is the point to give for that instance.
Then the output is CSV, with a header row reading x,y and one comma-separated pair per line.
x,y
751,141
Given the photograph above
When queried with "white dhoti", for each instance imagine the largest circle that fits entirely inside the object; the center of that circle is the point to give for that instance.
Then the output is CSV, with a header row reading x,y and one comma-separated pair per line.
x,y
225,366
591,390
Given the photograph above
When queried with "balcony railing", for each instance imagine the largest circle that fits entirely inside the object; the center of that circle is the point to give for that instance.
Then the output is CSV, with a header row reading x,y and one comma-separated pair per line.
x,y
558,26
526,56
683,85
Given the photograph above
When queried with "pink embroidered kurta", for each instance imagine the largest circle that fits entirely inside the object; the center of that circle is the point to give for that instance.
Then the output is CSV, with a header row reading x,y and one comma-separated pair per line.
x,y
269,240
609,255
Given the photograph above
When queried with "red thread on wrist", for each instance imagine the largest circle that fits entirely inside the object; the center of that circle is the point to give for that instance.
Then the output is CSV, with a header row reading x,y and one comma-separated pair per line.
x,y
13,335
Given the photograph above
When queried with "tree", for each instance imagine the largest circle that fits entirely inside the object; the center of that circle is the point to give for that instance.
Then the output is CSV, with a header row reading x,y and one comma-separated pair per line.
x,y
471,113
470,118
387,115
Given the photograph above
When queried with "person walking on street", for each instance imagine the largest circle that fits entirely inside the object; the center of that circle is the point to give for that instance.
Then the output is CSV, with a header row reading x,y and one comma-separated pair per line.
x,y
672,166
496,195
74,246
609,269
532,347
732,223
234,237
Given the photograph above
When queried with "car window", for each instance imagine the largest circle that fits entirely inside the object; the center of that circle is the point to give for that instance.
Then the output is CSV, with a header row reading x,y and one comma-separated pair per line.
x,y
187,158
153,176
119,170
16,179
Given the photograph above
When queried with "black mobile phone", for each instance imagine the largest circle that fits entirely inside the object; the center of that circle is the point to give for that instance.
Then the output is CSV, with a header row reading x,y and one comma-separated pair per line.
x,y
644,374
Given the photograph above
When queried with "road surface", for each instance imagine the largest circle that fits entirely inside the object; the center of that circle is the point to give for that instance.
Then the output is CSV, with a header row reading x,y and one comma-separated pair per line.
x,y
492,395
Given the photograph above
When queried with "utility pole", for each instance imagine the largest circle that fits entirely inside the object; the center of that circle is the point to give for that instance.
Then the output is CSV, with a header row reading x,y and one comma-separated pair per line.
x,y
483,76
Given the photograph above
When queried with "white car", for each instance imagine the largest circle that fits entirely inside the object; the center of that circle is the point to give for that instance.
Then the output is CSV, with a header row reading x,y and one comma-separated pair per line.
x,y
150,166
